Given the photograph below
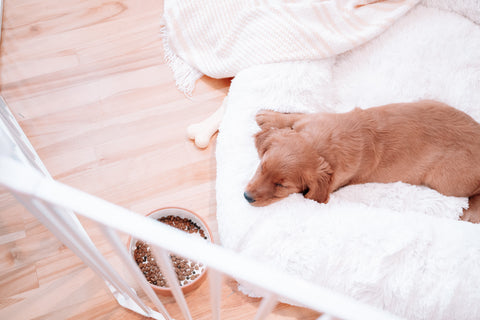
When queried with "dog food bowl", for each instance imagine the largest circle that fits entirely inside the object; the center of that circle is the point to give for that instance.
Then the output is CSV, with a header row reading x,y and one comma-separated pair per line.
x,y
190,274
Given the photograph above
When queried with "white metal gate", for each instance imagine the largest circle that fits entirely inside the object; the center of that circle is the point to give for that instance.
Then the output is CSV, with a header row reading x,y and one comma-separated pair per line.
x,y
56,206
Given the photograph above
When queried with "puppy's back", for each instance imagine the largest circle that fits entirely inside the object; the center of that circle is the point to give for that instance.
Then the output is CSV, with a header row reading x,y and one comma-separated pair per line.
x,y
430,143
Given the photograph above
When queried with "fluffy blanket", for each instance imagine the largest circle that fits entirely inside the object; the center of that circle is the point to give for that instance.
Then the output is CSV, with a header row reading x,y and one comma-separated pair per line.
x,y
395,246
221,38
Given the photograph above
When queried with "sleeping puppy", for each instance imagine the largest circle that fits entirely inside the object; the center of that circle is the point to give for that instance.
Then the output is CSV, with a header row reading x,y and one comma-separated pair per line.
x,y
422,143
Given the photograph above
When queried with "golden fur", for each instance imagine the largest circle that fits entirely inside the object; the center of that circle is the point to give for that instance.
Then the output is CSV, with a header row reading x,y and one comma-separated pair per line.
x,y
421,143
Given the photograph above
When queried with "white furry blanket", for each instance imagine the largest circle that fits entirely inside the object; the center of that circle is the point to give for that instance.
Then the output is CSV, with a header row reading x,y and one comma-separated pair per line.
x,y
395,246
221,38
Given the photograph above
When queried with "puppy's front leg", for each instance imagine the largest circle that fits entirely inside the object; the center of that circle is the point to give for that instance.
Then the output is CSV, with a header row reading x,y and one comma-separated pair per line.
x,y
268,119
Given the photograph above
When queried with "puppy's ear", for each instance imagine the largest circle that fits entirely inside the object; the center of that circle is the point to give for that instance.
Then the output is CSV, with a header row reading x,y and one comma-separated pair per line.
x,y
262,141
318,182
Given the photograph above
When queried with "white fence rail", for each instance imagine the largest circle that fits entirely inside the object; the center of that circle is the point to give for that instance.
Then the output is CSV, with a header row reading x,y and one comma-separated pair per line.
x,y
54,205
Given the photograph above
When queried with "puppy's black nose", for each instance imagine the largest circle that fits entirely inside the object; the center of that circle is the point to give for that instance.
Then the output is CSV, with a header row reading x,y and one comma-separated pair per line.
x,y
248,196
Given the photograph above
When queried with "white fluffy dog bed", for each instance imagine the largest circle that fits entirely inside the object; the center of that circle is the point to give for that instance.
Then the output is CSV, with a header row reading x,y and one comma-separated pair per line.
x,y
395,246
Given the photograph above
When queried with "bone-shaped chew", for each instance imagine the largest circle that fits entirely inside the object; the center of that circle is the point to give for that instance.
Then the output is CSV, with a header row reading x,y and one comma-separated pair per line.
x,y
202,132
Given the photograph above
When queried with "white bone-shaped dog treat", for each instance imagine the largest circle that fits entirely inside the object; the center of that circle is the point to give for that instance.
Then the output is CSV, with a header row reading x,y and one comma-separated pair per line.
x,y
202,132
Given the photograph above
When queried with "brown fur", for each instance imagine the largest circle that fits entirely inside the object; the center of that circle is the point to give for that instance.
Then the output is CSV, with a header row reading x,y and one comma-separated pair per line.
x,y
421,143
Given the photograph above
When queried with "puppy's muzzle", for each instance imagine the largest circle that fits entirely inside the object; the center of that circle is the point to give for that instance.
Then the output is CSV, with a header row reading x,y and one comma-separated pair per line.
x,y
248,197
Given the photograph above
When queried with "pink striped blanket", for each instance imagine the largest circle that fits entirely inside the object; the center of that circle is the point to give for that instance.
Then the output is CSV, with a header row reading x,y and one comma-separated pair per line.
x,y
221,38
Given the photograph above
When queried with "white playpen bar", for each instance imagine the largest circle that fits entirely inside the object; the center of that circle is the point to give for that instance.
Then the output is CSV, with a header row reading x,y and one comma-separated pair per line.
x,y
53,204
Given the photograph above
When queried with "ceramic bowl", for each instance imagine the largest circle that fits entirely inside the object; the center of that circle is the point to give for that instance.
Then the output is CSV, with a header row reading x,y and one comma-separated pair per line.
x,y
196,219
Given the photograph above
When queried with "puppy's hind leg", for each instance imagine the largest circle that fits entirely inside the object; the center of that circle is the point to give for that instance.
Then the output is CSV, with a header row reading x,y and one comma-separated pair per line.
x,y
472,214
268,119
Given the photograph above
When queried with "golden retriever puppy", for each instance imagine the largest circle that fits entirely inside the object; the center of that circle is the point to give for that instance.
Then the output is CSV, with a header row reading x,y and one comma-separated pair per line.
x,y
422,143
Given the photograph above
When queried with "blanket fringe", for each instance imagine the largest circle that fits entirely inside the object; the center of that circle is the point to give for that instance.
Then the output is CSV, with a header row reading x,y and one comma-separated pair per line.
x,y
184,74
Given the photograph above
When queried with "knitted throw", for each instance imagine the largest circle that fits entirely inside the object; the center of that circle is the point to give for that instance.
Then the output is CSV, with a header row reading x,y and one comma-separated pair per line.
x,y
219,38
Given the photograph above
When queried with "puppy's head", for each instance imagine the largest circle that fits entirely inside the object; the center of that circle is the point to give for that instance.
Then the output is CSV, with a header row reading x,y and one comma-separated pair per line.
x,y
288,164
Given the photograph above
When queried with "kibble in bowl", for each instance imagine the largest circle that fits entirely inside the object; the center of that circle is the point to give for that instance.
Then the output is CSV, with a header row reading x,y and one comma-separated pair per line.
x,y
189,273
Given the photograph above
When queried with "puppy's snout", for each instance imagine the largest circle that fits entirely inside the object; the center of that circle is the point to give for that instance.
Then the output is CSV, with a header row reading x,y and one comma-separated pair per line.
x,y
249,197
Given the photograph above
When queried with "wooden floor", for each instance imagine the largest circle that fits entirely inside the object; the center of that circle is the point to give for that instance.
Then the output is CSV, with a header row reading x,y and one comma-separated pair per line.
x,y
87,83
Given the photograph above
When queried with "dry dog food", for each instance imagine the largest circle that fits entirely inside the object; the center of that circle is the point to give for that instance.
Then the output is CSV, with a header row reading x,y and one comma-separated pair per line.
x,y
187,271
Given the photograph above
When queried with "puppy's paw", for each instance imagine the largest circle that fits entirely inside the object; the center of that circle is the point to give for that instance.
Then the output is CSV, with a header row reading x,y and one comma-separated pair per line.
x,y
473,217
267,119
